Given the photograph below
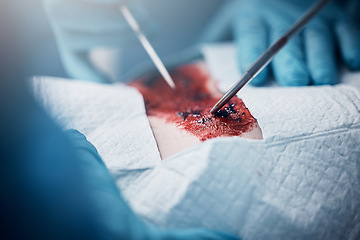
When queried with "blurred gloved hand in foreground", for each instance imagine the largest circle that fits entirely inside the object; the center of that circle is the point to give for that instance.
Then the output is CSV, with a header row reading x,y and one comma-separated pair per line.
x,y
81,25
308,58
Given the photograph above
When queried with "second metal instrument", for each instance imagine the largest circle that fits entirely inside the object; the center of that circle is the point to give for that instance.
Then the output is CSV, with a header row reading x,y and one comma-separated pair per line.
x,y
268,55
146,44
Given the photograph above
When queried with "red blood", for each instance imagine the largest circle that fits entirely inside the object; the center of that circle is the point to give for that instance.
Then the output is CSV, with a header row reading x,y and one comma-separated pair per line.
x,y
189,105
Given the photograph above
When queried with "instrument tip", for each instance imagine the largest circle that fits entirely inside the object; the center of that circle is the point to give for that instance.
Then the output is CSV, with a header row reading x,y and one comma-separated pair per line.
x,y
170,82
215,109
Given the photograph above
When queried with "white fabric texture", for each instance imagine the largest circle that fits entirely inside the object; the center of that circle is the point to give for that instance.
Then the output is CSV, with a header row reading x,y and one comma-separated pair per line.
x,y
113,118
301,182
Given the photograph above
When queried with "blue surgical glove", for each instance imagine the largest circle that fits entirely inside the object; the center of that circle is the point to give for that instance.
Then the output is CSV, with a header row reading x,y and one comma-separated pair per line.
x,y
82,25
310,57
115,217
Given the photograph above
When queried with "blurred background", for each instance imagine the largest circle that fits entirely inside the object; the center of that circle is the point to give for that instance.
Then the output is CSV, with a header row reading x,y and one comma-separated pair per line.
x,y
27,40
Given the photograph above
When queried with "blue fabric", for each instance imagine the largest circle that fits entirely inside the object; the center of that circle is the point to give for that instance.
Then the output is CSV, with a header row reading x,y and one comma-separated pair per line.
x,y
310,57
55,186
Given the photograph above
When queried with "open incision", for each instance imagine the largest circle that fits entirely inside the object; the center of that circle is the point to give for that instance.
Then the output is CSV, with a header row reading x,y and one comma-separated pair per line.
x,y
181,118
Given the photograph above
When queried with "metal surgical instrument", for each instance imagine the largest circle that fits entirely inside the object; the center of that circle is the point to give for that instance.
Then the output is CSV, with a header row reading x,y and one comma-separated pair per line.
x,y
146,44
268,55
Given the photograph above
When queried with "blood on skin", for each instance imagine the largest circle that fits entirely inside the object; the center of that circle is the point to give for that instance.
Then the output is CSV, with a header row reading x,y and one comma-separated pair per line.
x,y
189,105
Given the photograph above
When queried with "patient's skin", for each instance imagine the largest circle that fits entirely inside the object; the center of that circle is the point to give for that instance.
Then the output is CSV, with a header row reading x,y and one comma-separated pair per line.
x,y
181,118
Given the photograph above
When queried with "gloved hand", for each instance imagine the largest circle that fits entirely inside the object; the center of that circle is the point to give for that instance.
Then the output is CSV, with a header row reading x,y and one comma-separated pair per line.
x,y
115,218
310,57
81,25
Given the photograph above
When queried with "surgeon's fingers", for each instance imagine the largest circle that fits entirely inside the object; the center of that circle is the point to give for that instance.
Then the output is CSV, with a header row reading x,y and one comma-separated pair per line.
x,y
289,65
320,53
349,41
251,40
